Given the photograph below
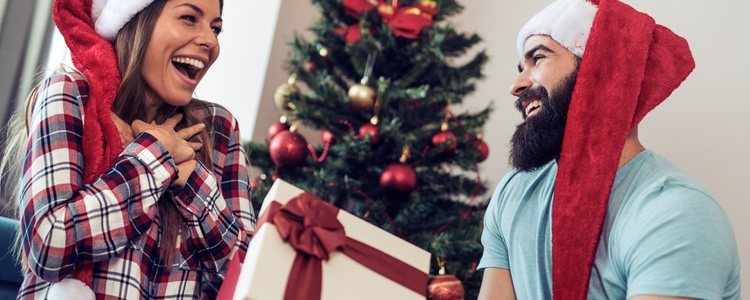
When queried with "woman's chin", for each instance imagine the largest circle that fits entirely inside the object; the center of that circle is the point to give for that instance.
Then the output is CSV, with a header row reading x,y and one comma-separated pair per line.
x,y
182,100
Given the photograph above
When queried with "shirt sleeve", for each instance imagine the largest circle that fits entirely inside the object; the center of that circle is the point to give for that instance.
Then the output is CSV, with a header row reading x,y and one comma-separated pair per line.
x,y
680,244
219,214
65,222
495,254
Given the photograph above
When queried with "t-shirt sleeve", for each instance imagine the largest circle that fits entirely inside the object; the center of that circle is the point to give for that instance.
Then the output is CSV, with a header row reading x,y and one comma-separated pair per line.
x,y
495,254
678,243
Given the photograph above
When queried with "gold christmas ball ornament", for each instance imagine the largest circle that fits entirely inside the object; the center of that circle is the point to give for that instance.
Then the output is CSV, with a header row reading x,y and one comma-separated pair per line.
x,y
361,96
428,3
281,95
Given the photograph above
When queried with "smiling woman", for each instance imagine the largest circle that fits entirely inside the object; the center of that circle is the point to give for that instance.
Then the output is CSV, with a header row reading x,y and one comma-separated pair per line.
x,y
187,46
130,187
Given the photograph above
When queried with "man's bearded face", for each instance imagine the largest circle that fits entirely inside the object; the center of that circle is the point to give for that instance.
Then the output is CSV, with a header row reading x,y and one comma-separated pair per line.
x,y
538,140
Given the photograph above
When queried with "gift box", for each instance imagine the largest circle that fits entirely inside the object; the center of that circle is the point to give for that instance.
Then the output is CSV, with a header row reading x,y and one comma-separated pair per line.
x,y
306,248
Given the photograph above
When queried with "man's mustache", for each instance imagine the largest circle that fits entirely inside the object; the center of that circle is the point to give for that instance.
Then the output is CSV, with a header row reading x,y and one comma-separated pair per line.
x,y
538,92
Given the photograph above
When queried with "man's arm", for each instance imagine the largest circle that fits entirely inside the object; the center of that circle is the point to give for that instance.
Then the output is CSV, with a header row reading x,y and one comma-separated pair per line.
x,y
497,284
679,243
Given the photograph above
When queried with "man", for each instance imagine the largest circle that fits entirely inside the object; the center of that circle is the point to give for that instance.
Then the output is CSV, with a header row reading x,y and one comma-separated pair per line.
x,y
588,212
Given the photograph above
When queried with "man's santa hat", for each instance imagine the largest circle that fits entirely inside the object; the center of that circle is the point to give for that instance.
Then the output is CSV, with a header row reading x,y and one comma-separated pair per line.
x,y
89,27
629,65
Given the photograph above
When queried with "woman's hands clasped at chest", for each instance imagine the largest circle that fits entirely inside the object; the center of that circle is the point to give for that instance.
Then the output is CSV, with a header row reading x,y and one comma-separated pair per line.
x,y
176,142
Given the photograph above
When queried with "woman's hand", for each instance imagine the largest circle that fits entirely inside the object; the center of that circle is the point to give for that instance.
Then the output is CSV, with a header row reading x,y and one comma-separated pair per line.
x,y
176,142
126,133
183,172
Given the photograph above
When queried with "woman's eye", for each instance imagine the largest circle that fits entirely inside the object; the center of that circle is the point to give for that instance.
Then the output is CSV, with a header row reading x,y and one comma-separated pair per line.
x,y
188,19
216,29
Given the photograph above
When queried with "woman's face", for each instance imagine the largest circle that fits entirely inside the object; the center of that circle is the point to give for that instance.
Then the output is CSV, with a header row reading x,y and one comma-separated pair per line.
x,y
183,46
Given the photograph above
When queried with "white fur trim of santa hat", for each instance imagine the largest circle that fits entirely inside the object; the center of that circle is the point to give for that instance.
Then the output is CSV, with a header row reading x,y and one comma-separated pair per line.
x,y
110,15
567,21
70,289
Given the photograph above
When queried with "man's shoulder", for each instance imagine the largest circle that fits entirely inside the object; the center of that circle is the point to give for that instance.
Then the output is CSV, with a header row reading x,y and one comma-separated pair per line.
x,y
518,185
668,221
524,179
657,192
654,178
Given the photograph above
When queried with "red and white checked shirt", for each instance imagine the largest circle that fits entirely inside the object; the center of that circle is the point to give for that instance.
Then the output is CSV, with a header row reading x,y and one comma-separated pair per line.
x,y
113,222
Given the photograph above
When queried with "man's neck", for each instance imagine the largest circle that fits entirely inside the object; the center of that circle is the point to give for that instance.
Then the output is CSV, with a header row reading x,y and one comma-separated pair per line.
x,y
632,148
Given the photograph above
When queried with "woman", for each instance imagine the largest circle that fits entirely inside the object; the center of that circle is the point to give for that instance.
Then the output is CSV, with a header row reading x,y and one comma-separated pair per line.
x,y
131,186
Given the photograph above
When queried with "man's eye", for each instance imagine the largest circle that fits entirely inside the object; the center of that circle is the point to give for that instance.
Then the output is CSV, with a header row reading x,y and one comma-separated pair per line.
x,y
536,58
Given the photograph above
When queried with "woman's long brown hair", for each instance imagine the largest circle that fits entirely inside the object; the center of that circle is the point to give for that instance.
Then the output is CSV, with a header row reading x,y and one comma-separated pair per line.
x,y
131,44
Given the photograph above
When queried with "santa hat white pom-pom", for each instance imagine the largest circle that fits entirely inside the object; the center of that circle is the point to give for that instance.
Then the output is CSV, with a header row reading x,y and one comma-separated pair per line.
x,y
70,289
567,21
110,15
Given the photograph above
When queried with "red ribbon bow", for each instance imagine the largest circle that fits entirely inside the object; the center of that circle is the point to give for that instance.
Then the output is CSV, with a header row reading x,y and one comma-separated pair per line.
x,y
310,226
407,21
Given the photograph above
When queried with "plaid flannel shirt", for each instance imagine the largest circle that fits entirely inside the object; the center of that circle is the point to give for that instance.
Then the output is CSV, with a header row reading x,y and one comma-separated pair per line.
x,y
114,222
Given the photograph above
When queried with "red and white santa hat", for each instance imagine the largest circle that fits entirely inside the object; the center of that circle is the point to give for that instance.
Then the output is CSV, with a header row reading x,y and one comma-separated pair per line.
x,y
629,65
89,27
567,22
110,15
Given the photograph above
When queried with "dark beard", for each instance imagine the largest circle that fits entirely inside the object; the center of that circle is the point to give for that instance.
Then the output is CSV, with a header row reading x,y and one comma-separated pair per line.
x,y
538,140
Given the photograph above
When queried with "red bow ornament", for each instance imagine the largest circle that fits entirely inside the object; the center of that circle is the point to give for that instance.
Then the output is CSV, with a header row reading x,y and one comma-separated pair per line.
x,y
407,21
311,227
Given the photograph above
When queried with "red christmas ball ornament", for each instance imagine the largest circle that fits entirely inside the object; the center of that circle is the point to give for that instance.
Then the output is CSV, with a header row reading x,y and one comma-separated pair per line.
x,y
275,129
254,183
445,287
399,178
288,149
309,66
327,137
371,130
445,136
483,149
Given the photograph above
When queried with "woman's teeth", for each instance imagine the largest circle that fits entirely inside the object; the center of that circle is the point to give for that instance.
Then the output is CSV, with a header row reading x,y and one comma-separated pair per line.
x,y
194,63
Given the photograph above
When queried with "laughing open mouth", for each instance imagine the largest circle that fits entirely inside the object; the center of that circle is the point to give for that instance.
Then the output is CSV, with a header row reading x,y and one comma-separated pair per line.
x,y
532,108
188,66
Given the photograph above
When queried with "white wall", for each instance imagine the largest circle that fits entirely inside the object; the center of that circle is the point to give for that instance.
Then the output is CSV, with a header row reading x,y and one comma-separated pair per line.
x,y
295,16
236,78
702,127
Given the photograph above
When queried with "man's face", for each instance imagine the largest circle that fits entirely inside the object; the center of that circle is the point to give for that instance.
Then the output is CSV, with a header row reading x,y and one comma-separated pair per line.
x,y
544,88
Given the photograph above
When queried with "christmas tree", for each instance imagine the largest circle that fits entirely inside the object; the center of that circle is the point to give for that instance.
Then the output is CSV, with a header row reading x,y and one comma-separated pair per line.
x,y
379,81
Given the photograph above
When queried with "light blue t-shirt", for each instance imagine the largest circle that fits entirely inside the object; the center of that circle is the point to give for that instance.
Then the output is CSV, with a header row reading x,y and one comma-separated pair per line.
x,y
663,234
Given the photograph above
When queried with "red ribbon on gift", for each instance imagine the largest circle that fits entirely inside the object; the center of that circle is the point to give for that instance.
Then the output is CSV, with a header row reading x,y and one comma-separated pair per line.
x,y
407,21
311,227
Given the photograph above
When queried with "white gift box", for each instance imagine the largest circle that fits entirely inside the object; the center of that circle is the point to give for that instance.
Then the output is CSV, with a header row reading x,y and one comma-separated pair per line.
x,y
268,262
